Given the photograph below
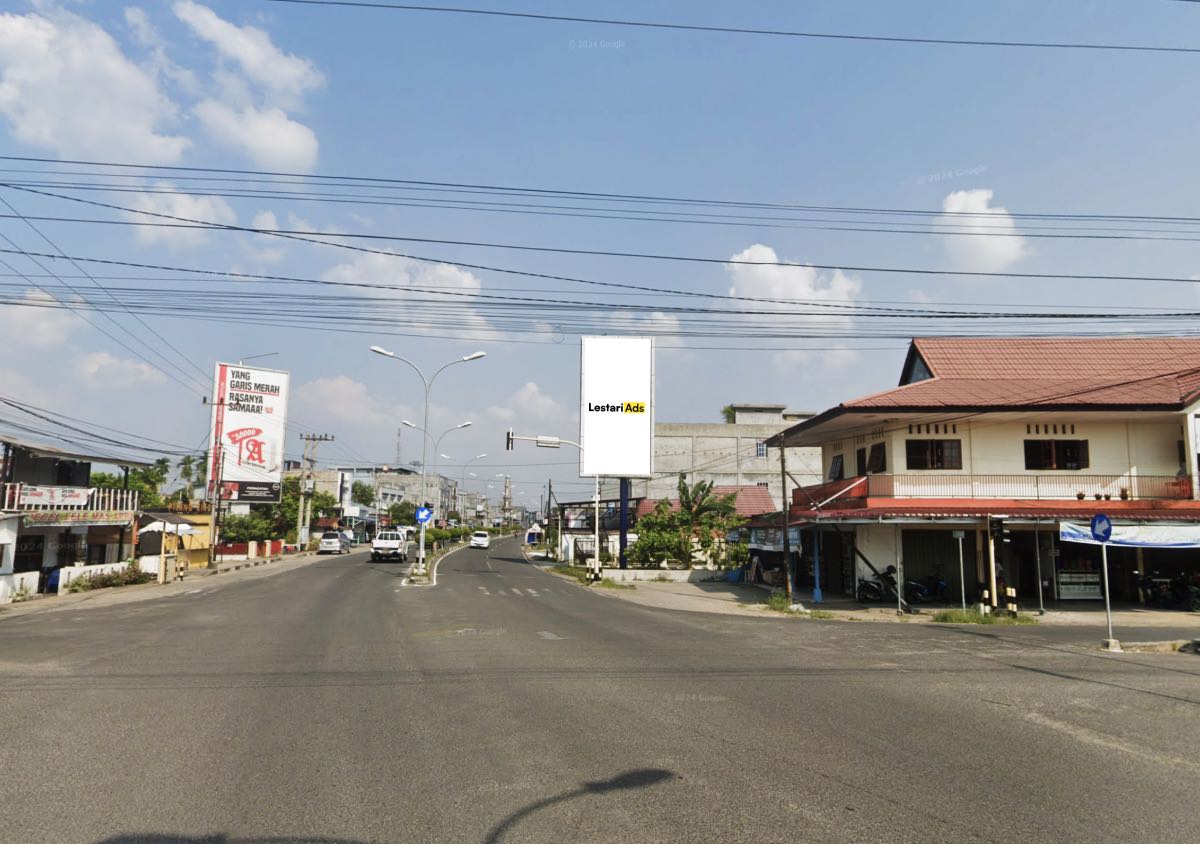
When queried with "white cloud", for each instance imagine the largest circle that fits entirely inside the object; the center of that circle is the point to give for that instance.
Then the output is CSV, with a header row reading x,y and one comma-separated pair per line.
x,y
139,24
267,136
66,85
211,209
458,287
265,248
285,76
996,247
528,408
41,323
807,285
103,370
346,400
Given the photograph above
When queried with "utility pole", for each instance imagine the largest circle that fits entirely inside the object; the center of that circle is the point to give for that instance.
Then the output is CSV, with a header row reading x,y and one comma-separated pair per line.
x,y
304,506
787,545
506,504
399,434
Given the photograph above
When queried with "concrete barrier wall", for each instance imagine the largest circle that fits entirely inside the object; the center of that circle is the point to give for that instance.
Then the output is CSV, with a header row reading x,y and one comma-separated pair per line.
x,y
10,584
68,573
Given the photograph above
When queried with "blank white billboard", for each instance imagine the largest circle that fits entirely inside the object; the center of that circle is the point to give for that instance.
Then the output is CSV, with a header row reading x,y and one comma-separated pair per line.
x,y
616,411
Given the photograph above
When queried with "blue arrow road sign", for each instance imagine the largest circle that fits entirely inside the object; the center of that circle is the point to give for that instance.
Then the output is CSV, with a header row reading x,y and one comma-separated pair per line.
x,y
1101,528
424,514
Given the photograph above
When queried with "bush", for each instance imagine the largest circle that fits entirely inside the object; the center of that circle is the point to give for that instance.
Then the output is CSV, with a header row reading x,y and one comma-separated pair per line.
x,y
127,576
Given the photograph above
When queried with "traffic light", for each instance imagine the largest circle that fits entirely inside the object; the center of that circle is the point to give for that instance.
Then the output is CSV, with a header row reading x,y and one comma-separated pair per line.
x,y
999,530
508,442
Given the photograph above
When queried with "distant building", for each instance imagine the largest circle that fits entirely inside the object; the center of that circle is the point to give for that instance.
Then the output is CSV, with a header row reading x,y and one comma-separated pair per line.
x,y
729,454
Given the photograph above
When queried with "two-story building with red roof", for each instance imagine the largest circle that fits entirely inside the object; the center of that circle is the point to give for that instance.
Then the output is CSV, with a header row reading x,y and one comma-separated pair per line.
x,y
993,443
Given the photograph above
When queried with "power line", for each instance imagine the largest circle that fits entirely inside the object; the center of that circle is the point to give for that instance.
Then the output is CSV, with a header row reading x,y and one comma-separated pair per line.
x,y
140,321
76,310
940,222
381,183
603,253
733,30
994,231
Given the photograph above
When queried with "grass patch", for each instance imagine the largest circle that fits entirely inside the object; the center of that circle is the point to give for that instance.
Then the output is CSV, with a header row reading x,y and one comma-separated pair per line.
x,y
577,572
608,583
778,601
974,616
821,614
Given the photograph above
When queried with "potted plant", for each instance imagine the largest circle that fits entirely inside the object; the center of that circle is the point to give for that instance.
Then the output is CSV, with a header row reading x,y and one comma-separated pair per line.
x,y
1098,496
1124,493
1079,496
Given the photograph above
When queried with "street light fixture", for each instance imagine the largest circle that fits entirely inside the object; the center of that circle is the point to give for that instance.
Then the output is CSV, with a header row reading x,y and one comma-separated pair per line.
x,y
428,384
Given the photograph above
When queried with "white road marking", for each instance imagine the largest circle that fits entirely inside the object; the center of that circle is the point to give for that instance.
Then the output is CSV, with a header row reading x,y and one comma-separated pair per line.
x,y
484,590
532,592
546,634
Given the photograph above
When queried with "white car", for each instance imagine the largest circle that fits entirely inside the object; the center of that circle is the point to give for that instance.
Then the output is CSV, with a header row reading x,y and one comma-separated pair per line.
x,y
480,539
334,542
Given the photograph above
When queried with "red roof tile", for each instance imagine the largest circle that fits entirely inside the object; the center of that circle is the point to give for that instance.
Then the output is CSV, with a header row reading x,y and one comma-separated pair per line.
x,y
750,501
1048,372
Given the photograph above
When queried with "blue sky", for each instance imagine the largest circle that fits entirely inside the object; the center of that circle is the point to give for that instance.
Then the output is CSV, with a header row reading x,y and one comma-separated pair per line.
x,y
269,86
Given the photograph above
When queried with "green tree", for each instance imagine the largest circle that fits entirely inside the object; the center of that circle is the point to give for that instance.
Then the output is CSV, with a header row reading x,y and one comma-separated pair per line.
x,y
403,513
702,523
657,537
253,528
146,481
728,414
282,516
362,493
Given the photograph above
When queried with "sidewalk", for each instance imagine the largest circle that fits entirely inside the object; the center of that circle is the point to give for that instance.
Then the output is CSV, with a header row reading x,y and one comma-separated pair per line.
x,y
192,580
742,599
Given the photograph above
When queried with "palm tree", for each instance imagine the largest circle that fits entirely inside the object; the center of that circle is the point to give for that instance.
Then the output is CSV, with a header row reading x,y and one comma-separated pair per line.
x,y
728,414
187,474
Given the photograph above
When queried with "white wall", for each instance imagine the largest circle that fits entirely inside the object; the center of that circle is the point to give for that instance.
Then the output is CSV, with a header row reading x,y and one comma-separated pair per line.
x,y
880,544
11,584
69,573
1115,446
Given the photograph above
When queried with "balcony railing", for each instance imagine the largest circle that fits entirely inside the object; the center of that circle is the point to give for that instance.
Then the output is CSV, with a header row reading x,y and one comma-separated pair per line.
x,y
34,498
1019,487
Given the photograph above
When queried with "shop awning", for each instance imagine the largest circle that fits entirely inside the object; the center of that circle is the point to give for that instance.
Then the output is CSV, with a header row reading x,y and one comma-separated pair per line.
x,y
1136,536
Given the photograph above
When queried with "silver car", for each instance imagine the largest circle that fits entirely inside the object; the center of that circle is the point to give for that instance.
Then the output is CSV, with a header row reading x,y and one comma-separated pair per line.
x,y
334,542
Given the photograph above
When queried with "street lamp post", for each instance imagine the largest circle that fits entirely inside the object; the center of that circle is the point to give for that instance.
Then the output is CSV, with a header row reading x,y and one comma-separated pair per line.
x,y
463,480
428,383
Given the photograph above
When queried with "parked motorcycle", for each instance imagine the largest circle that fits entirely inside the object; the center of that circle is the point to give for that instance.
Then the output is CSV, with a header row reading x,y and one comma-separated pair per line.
x,y
883,589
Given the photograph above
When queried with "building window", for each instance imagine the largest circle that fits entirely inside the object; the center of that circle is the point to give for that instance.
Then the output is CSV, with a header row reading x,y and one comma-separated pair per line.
x,y
1056,454
760,449
933,454
837,468
860,462
764,484
877,459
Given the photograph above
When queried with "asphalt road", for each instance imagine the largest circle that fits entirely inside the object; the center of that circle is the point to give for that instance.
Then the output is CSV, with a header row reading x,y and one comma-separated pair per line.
x,y
331,703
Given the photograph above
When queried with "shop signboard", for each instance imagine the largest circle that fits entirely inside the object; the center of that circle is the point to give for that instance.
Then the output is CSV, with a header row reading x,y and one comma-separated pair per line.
x,y
55,496
78,517
616,413
246,441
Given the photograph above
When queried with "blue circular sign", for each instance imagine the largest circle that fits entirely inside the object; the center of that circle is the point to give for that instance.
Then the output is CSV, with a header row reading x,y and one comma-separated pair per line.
x,y
424,514
1101,528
